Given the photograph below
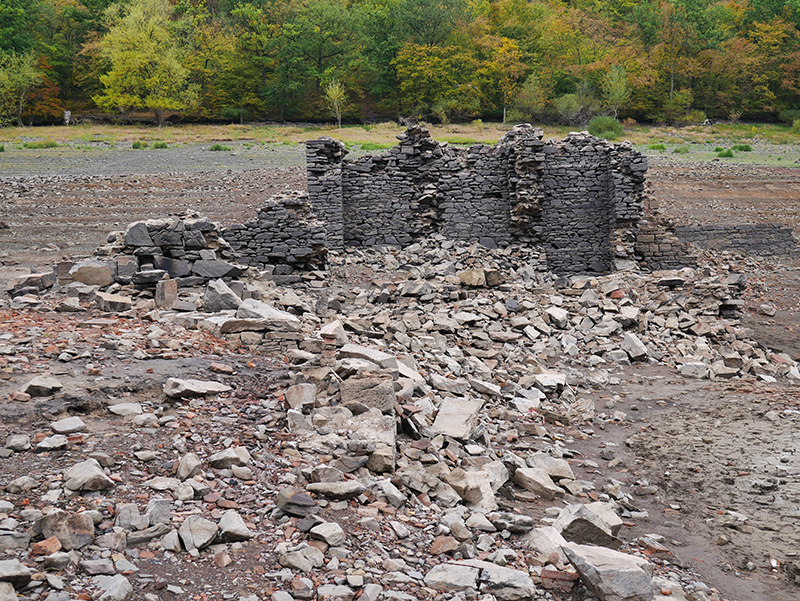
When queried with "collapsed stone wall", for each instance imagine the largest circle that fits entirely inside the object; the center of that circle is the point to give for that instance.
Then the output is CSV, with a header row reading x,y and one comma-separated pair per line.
x,y
578,197
766,239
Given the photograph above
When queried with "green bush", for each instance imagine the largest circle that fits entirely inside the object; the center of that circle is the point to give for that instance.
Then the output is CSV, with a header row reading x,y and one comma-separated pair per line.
x,y
219,147
138,144
725,154
789,116
795,126
659,147
41,144
718,149
742,148
2,148
692,117
681,150
601,126
160,145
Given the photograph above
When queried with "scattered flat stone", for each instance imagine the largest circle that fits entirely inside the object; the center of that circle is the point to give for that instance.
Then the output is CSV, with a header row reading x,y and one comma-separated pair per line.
x,y
538,481
295,502
229,457
42,386
114,588
87,475
219,297
69,425
329,532
457,417
93,273
125,409
232,528
197,532
112,303
611,575
175,387
452,578
15,573
337,490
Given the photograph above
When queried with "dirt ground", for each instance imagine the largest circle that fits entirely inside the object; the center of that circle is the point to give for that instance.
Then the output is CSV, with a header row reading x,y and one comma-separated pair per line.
x,y
724,454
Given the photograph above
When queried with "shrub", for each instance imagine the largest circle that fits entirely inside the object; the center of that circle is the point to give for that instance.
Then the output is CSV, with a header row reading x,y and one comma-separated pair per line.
x,y
602,126
41,144
138,144
659,147
789,116
692,117
742,148
218,147
795,126
681,150
2,148
725,154
160,145
718,149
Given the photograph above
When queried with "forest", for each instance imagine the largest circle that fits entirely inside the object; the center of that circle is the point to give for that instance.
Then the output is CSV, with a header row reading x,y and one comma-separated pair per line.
x,y
362,61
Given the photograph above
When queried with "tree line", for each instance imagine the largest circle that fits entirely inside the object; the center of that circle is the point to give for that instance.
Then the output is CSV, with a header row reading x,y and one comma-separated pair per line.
x,y
676,61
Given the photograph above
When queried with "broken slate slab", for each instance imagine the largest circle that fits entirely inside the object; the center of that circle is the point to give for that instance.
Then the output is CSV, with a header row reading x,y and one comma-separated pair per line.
x,y
295,502
68,425
375,393
452,578
579,524
457,417
114,588
385,360
232,528
197,532
611,575
11,570
42,386
112,303
269,317
538,481
87,475
175,387
506,584
219,297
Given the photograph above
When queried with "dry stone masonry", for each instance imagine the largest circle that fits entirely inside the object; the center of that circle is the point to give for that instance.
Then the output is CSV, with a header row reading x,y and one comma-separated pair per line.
x,y
574,197
765,239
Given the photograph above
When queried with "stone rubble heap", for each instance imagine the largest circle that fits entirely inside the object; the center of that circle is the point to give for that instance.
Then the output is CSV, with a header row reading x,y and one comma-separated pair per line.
x,y
418,446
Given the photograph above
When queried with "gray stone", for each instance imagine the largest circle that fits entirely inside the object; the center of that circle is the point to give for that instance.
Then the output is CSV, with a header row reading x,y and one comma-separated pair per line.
x,y
513,522
68,425
337,490
197,532
15,573
558,469
579,524
334,331
537,481
51,443
633,346
112,303
175,387
93,567
269,317
301,396
115,588
219,297
370,392
228,457
611,575
334,592
125,409
329,532
295,502
215,269
547,540
136,235
232,528
375,356
452,578
93,273
457,417
73,530
188,466
166,293
87,475
42,386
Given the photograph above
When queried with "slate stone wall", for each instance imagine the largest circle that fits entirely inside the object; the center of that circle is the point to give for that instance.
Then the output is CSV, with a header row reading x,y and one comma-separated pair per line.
x,y
766,239
567,196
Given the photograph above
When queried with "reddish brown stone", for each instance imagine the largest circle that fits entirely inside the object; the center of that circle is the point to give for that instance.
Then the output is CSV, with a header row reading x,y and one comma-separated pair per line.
x,y
557,580
46,547
443,544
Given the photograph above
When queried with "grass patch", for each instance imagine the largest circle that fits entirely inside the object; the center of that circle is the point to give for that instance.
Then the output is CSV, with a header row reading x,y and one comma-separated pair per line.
x,y
375,145
41,144
139,145
718,149
659,147
2,148
605,127
219,148
160,145
726,154
459,140
681,150
742,148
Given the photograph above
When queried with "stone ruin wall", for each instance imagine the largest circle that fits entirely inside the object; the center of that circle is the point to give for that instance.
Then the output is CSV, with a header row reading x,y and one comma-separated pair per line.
x,y
579,198
582,200
764,239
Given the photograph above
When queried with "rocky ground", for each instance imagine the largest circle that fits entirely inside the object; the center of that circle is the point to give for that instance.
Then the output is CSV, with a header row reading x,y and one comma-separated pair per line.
x,y
394,428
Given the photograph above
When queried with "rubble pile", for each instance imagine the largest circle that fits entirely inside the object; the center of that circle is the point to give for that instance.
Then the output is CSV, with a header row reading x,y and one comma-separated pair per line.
x,y
420,443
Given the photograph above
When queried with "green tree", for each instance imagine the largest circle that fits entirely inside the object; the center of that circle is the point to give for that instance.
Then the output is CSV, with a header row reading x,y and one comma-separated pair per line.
x,y
18,74
146,60
17,19
616,92
336,98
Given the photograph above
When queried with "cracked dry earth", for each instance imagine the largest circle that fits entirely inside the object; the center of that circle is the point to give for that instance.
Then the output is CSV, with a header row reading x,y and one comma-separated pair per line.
x,y
709,468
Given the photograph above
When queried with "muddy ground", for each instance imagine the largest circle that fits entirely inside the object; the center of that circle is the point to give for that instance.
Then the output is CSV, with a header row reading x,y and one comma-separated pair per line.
x,y
716,450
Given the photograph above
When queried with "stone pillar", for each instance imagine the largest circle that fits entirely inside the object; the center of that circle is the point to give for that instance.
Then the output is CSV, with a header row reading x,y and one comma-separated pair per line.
x,y
324,158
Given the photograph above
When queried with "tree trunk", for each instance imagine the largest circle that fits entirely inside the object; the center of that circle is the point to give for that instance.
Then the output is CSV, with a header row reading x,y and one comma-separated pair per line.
x,y
159,113
19,109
